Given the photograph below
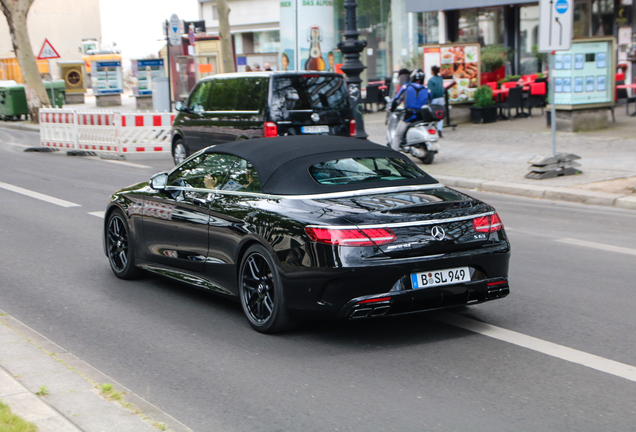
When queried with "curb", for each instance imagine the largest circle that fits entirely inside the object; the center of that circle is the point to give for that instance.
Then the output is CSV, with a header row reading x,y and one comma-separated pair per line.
x,y
543,192
24,126
28,360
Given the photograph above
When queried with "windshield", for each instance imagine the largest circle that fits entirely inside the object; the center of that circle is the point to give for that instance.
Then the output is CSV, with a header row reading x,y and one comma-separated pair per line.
x,y
309,92
363,170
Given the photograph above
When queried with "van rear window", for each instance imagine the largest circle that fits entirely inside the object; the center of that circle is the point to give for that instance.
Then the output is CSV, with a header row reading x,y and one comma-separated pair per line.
x,y
309,92
237,94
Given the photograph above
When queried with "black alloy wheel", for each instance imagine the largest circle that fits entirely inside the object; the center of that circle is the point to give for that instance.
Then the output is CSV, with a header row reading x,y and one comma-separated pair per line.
x,y
261,293
119,246
179,151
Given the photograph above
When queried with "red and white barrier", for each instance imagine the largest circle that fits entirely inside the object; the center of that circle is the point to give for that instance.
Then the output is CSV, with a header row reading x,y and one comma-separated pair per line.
x,y
106,131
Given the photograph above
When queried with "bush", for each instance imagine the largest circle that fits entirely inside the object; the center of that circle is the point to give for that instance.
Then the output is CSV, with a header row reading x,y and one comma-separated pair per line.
x,y
483,97
493,57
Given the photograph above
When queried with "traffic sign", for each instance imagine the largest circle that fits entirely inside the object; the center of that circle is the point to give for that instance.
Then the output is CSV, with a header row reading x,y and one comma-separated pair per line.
x,y
174,30
47,51
555,25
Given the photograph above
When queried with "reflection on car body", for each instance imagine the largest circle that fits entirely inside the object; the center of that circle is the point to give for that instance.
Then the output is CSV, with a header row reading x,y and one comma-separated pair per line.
x,y
321,227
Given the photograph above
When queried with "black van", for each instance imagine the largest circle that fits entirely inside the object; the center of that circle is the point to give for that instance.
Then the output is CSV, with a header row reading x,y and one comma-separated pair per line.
x,y
240,106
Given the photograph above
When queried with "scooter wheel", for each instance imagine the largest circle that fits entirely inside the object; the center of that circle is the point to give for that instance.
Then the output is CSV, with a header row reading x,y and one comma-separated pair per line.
x,y
428,159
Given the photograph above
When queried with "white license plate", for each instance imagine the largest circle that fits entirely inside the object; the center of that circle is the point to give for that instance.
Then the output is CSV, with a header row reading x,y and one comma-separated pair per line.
x,y
440,277
314,129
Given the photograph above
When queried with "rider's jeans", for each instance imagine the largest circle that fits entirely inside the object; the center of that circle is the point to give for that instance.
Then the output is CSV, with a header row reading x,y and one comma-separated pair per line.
x,y
399,133
439,101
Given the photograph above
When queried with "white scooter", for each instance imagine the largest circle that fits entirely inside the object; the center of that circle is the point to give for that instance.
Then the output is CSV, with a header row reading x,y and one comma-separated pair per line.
x,y
421,137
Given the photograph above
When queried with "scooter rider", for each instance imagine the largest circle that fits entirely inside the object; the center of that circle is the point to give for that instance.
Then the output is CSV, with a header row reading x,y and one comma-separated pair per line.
x,y
415,96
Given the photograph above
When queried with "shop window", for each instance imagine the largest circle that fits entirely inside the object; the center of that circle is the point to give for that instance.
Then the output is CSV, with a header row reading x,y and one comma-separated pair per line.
x,y
529,60
427,28
603,17
582,19
266,42
484,26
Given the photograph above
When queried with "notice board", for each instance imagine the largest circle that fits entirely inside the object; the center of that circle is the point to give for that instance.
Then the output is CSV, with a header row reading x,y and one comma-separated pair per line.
x,y
457,62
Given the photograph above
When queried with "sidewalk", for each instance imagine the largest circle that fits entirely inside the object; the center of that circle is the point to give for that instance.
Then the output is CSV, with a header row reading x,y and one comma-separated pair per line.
x,y
494,157
29,362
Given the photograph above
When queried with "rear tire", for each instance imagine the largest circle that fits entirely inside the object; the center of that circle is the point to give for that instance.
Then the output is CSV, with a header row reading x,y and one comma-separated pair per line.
x,y
179,151
261,293
120,247
428,159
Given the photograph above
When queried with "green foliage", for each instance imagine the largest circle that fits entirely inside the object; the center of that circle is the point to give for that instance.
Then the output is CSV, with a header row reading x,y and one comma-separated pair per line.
x,y
43,391
493,57
414,62
542,57
483,97
10,422
510,78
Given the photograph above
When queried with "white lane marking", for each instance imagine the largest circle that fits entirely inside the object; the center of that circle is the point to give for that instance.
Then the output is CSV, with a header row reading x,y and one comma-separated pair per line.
x,y
125,163
38,195
601,364
600,246
99,214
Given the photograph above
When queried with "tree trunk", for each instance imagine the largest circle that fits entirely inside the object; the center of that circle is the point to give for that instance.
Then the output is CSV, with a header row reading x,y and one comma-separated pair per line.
x,y
227,54
16,12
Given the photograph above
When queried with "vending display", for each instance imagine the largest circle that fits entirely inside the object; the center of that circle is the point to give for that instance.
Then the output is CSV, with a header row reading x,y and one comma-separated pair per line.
x,y
584,75
145,72
107,77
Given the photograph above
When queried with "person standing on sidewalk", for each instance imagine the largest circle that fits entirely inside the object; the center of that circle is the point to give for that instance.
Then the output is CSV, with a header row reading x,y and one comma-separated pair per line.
x,y
436,87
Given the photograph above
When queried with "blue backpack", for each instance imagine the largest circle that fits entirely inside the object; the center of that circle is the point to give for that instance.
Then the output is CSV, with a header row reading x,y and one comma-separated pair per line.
x,y
416,97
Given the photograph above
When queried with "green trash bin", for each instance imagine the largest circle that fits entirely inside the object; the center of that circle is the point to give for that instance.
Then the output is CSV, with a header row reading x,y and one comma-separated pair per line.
x,y
59,91
13,103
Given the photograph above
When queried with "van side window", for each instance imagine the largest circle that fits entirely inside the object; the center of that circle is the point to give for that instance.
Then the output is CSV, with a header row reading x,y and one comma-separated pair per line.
x,y
238,94
199,97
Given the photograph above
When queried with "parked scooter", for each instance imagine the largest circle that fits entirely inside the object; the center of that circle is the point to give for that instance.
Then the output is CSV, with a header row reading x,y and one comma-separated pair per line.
x,y
421,137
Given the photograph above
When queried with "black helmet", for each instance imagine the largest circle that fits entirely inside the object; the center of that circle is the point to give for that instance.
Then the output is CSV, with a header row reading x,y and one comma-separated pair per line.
x,y
418,75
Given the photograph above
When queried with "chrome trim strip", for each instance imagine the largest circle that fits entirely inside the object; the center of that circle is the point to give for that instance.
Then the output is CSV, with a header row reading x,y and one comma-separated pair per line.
x,y
314,196
404,224
230,112
185,277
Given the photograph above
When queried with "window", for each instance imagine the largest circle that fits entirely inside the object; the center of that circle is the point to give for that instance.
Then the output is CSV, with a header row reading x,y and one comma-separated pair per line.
x,y
485,26
238,94
363,170
207,171
242,178
198,97
308,92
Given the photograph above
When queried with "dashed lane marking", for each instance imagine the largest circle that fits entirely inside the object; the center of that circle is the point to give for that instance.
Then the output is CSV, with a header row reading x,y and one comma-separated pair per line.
x,y
601,364
601,246
99,214
38,195
125,163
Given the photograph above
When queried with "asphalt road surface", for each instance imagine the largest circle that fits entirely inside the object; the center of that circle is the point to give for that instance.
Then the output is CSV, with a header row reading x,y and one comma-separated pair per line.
x,y
554,355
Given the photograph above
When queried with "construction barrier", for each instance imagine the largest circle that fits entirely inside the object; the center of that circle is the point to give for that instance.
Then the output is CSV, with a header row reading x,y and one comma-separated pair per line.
x,y
106,131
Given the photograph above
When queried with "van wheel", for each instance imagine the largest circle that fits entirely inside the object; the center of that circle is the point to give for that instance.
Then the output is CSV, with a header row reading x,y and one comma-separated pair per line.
x,y
179,151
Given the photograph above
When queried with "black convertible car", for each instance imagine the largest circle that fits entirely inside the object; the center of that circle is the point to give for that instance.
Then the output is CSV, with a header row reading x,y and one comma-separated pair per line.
x,y
309,227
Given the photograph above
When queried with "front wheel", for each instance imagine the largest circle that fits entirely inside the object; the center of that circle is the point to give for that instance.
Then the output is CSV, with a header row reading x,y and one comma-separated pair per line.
x,y
261,293
428,158
179,151
119,245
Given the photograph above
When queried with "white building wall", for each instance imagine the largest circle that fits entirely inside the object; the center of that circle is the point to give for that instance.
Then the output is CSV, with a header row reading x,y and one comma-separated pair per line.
x,y
245,15
64,22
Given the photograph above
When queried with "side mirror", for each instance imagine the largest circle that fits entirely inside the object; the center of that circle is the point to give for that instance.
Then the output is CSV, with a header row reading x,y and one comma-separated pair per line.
x,y
180,106
159,181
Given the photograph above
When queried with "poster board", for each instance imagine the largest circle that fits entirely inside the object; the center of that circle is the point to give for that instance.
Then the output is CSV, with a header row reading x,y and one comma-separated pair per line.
x,y
584,75
146,71
457,62
107,77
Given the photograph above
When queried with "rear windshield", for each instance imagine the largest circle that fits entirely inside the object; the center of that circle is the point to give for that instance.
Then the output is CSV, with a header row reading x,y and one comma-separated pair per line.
x,y
309,92
363,170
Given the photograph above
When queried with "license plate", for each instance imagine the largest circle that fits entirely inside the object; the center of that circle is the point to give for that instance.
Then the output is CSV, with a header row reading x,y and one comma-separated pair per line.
x,y
314,129
435,278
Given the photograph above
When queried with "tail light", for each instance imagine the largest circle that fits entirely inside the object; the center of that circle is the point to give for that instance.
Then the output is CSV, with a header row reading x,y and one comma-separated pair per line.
x,y
375,300
352,128
270,130
351,237
432,131
488,224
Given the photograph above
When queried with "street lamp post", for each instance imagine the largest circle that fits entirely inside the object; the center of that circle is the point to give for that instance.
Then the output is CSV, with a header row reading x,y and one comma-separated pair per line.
x,y
351,47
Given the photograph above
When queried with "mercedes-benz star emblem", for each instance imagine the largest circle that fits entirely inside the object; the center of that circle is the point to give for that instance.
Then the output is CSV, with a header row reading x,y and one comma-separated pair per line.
x,y
438,233
315,117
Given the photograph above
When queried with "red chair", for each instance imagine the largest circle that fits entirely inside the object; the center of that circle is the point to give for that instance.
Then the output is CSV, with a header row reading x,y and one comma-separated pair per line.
x,y
492,85
529,78
510,84
620,76
537,97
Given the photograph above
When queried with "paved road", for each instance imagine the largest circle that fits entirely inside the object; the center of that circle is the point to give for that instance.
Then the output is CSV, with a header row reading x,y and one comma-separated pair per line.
x,y
194,355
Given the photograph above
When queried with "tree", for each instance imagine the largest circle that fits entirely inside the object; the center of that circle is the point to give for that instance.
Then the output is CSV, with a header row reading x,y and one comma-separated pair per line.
x,y
16,12
227,57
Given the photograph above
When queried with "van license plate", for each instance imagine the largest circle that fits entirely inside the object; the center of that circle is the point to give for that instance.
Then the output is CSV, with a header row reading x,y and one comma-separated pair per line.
x,y
314,129
440,277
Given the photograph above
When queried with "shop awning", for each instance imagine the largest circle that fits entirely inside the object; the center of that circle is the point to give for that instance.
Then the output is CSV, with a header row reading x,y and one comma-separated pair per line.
x,y
441,5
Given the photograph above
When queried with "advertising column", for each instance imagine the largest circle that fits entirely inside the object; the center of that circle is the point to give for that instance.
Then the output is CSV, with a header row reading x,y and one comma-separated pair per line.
x,y
307,35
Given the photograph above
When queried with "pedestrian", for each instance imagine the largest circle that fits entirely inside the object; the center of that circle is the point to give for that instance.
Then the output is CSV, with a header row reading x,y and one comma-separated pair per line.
x,y
267,67
404,77
256,67
436,87
248,68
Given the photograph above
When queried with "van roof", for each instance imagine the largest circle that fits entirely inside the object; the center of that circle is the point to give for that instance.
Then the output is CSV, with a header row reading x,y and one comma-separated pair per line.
x,y
270,73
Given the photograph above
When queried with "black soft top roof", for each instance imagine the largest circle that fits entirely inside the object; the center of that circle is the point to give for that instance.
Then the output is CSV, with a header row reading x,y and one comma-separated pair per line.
x,y
283,163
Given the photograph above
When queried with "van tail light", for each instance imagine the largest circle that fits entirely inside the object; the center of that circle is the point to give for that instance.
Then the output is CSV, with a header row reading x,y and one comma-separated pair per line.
x,y
351,237
352,128
488,224
270,130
